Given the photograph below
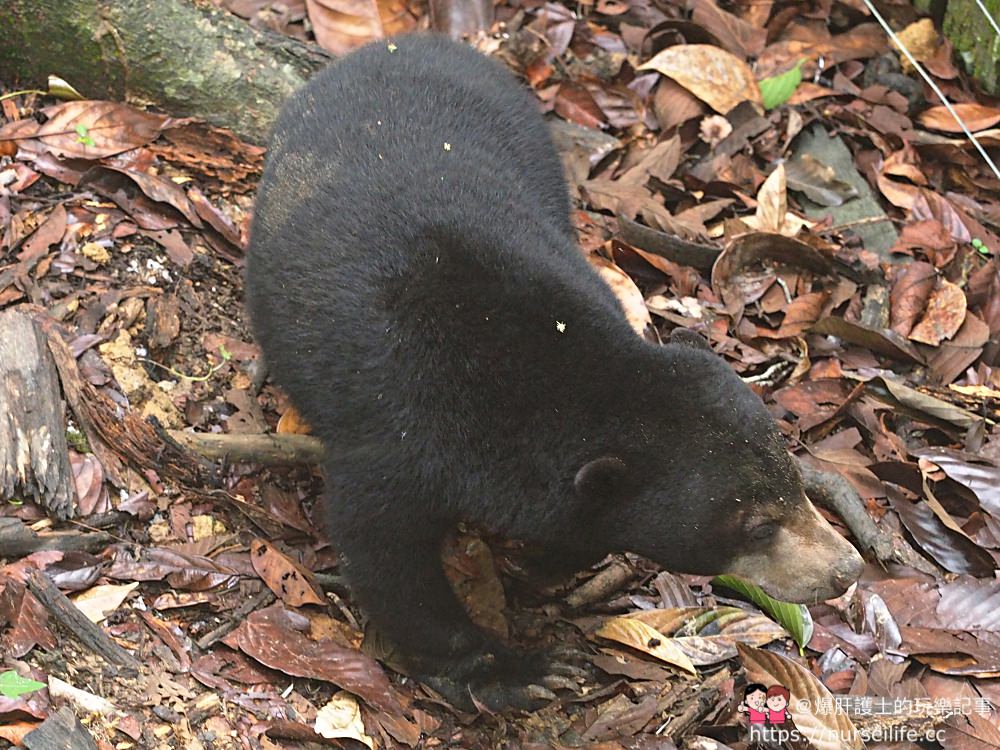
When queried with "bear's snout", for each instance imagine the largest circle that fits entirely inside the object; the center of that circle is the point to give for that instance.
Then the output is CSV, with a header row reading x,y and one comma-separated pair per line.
x,y
806,561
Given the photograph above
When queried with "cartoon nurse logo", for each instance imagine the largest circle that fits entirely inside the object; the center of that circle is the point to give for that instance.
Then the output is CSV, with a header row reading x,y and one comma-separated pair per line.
x,y
777,704
765,706
755,703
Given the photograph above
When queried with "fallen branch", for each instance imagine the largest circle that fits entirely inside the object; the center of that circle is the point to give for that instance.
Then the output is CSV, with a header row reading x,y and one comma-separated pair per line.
x,y
114,435
255,448
609,581
70,616
17,540
835,493
60,731
262,599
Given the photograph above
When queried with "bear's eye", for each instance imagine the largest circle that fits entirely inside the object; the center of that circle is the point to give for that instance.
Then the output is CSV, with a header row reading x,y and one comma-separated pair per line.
x,y
764,531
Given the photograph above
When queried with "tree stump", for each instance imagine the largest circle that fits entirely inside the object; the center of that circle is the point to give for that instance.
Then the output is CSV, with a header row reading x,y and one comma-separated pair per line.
x,y
34,456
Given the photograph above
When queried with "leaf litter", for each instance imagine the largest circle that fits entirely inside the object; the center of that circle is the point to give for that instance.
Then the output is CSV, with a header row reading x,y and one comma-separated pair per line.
x,y
696,203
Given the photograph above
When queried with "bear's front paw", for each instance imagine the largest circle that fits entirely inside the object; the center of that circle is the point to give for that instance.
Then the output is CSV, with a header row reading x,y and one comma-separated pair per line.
x,y
501,679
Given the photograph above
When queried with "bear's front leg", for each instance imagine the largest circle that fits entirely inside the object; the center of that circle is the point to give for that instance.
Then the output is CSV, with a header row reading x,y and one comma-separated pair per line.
x,y
395,571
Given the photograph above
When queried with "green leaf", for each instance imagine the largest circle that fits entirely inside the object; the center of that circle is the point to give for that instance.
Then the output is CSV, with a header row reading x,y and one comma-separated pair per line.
x,y
794,618
779,89
12,684
226,354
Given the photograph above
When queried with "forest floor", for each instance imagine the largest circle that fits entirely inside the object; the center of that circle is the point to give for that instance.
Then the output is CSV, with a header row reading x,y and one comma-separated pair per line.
x,y
768,175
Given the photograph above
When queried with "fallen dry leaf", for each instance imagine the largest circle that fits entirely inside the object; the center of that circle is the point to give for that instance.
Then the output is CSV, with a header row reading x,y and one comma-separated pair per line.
x,y
292,423
341,718
825,728
642,637
909,294
289,581
100,601
95,129
718,78
945,314
975,116
625,290
343,25
273,636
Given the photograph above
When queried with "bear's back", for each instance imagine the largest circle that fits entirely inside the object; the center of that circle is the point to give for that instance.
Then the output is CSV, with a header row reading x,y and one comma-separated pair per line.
x,y
412,193
416,130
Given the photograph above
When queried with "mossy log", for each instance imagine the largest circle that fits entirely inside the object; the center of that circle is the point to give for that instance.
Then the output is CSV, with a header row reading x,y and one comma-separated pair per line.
x,y
183,56
975,40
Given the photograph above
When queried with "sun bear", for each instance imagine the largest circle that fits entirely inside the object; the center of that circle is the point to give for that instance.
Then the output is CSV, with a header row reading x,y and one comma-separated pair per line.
x,y
415,284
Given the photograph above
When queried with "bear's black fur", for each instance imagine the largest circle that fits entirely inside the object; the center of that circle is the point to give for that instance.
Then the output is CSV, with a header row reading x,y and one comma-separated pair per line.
x,y
415,285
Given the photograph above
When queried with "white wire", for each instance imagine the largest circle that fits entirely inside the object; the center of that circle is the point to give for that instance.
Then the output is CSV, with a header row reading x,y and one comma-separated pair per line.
x,y
930,82
990,18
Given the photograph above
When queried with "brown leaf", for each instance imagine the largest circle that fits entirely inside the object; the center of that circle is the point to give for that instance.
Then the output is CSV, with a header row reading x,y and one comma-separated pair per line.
x,y
95,129
802,313
292,423
289,581
930,407
772,202
862,41
718,78
48,233
642,637
736,35
945,314
274,637
343,25
100,601
163,190
952,550
740,275
908,298
26,621
163,320
673,104
977,473
620,198
576,104
625,290
471,570
181,570
15,731
660,162
716,631
881,341
88,479
816,715
817,180
962,350
173,242
975,116
214,217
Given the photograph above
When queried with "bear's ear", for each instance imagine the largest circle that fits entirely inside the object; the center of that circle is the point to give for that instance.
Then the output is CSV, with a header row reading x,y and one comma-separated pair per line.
x,y
604,478
687,337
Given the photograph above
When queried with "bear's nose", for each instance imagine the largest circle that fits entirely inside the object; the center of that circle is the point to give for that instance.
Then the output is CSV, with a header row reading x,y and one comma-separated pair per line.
x,y
847,572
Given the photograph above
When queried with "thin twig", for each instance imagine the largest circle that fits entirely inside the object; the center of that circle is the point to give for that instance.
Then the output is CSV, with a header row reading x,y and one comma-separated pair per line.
x,y
262,599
